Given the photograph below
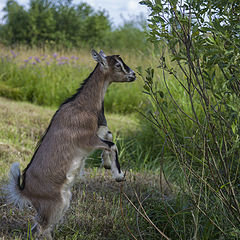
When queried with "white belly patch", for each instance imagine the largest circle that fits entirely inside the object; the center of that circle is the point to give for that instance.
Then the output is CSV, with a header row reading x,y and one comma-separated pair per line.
x,y
77,165
76,168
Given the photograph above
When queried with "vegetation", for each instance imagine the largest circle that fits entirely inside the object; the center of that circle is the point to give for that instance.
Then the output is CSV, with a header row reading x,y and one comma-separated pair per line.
x,y
195,108
48,78
64,24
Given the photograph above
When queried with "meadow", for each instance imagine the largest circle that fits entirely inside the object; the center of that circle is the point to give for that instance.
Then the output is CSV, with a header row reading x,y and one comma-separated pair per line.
x,y
38,80
49,77
96,210
177,126
33,77
151,120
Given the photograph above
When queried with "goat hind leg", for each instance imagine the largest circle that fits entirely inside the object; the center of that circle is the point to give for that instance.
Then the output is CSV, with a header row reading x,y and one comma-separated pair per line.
x,y
38,232
49,213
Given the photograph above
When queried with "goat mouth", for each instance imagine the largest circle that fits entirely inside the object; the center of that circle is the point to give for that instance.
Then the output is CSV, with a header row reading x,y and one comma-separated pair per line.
x,y
131,79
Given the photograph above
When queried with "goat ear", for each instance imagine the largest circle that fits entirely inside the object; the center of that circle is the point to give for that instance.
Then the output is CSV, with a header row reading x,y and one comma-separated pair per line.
x,y
100,58
102,54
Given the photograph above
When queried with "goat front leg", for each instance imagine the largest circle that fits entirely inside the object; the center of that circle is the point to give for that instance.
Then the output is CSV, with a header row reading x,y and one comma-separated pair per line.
x,y
110,157
105,134
115,165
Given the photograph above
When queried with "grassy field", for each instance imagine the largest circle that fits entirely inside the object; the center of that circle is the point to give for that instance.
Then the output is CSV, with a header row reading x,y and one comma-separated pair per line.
x,y
46,77
95,211
195,211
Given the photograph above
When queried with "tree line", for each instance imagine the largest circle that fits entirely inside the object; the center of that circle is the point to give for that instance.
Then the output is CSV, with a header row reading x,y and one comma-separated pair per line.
x,y
55,22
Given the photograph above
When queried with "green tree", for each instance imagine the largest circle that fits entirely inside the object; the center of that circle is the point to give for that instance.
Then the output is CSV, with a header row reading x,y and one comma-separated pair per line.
x,y
95,29
16,17
131,35
55,22
41,25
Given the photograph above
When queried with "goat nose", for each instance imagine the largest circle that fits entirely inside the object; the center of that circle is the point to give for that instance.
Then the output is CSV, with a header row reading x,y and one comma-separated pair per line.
x,y
132,76
133,73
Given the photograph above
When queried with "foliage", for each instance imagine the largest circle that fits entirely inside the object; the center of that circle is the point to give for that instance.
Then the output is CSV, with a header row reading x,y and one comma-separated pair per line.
x,y
64,24
130,36
195,107
48,21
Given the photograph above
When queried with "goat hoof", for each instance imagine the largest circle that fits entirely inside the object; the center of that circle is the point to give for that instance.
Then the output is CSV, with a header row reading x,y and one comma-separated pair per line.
x,y
120,178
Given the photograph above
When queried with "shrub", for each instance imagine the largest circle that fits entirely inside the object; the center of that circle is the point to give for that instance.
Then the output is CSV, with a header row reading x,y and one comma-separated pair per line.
x,y
195,103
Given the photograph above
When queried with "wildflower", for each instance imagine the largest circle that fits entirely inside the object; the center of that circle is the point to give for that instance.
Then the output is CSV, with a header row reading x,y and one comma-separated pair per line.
x,y
63,58
37,59
44,57
13,53
55,55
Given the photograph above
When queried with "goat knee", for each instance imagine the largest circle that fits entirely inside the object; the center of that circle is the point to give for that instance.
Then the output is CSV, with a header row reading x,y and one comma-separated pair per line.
x,y
104,133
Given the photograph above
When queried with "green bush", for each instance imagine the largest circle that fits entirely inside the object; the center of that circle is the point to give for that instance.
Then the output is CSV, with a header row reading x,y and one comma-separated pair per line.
x,y
194,94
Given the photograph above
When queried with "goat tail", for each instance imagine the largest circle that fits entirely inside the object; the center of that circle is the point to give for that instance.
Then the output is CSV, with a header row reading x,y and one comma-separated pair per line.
x,y
13,189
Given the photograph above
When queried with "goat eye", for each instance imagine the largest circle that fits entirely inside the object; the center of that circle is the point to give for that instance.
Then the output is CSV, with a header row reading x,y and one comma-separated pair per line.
x,y
118,65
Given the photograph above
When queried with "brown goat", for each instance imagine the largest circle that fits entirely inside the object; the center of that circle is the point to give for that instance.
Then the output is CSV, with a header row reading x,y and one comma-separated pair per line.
x,y
77,128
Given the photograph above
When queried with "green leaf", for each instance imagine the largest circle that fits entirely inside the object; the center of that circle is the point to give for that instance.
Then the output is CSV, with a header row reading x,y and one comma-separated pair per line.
x,y
145,2
161,94
149,79
152,72
147,88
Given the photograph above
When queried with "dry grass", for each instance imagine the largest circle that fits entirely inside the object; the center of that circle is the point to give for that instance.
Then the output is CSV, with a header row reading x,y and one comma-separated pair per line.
x,y
94,212
95,208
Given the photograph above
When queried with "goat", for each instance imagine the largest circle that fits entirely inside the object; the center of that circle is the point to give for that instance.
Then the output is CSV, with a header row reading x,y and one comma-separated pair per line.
x,y
77,128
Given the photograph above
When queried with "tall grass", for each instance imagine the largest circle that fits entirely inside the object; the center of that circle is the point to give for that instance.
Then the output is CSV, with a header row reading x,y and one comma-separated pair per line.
x,y
47,78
